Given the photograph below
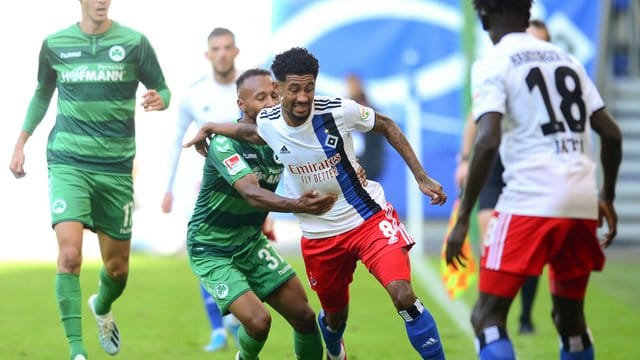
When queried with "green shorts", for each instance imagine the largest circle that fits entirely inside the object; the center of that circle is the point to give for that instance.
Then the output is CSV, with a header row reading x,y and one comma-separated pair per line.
x,y
102,202
259,268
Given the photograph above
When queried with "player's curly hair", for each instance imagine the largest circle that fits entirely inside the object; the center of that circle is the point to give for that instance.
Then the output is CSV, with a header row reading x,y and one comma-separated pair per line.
x,y
295,61
519,8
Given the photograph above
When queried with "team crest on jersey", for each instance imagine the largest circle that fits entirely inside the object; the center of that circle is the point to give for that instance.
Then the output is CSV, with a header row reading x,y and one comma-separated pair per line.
x,y
116,53
276,159
59,206
364,112
234,164
312,280
331,141
222,290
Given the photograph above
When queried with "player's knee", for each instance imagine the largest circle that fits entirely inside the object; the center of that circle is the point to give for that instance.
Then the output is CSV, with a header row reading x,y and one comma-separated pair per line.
x,y
258,325
555,317
304,321
401,294
476,319
570,322
117,269
483,317
69,260
336,320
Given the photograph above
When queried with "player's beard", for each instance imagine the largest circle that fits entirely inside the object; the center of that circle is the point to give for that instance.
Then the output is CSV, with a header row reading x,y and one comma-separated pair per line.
x,y
299,118
225,73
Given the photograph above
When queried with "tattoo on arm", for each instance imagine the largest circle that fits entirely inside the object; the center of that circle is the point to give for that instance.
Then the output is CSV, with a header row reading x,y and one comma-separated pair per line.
x,y
396,138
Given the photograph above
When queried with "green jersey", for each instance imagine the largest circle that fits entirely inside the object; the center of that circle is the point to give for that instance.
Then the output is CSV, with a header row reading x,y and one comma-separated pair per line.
x,y
96,77
223,222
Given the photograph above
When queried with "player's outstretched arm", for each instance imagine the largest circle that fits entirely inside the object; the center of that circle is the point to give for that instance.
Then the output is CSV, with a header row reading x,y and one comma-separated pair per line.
x,y
239,131
310,202
430,187
610,157
484,152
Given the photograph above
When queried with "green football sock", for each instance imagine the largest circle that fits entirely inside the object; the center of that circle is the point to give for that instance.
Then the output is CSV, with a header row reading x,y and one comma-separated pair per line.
x,y
68,297
308,346
109,290
249,347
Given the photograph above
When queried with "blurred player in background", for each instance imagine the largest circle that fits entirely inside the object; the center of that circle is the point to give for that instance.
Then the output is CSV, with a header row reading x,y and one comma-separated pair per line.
x,y
536,104
212,98
369,147
227,248
491,190
90,154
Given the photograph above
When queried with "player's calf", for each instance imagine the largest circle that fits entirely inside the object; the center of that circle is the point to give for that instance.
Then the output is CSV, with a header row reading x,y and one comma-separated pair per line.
x,y
332,338
422,331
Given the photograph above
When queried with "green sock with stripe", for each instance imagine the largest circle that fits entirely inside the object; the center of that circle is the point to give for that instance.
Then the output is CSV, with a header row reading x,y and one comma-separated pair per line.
x,y
69,300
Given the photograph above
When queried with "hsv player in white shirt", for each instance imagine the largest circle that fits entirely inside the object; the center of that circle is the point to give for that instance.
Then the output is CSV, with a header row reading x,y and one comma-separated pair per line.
x,y
537,105
311,136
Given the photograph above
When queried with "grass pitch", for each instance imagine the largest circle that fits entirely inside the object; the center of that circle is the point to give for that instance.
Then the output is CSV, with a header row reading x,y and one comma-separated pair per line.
x,y
161,316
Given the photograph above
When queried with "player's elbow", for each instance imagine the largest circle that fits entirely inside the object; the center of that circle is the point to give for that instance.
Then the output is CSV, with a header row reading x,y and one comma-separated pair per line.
x,y
615,135
487,143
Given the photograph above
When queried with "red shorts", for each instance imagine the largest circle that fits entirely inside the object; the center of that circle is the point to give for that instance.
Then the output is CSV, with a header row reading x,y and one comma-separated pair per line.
x,y
381,243
517,246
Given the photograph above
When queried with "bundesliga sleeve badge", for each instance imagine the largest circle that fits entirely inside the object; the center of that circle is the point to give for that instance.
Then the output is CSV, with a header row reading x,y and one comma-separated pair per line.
x,y
234,164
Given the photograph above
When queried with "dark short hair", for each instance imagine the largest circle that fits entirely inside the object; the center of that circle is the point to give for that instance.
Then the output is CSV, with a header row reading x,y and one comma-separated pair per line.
x,y
249,74
520,8
219,31
295,61
542,26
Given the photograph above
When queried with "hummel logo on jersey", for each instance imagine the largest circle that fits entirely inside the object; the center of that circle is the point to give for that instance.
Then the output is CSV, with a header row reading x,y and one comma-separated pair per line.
x,y
284,150
71,54
430,342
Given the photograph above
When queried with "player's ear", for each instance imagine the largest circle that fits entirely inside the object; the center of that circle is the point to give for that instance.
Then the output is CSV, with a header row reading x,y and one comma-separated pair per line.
x,y
241,105
277,87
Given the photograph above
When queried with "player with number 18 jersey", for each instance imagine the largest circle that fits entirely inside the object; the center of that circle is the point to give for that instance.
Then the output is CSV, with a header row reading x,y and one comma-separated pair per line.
x,y
547,155
549,169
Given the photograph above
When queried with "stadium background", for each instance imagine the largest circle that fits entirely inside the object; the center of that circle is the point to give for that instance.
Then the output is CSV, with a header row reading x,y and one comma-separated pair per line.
x,y
413,55
414,62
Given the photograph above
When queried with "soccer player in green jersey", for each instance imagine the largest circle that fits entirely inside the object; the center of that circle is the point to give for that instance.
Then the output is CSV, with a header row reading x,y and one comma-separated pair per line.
x,y
96,66
227,248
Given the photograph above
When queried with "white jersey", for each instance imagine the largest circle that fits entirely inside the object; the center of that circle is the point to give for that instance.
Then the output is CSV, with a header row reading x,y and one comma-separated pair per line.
x,y
205,101
319,155
547,99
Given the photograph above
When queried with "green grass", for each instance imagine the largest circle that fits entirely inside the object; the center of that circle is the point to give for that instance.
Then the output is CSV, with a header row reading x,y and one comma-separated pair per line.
x,y
161,316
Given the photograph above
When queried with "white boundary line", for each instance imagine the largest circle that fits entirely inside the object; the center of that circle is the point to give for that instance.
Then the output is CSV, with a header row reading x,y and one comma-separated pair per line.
x,y
457,310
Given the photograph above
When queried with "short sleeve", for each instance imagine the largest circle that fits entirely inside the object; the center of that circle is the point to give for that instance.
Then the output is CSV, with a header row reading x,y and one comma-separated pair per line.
x,y
226,157
488,88
358,117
